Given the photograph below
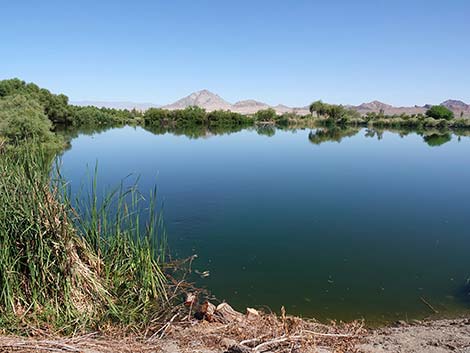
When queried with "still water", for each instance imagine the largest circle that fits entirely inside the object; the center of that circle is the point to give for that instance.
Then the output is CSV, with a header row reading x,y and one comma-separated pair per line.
x,y
331,224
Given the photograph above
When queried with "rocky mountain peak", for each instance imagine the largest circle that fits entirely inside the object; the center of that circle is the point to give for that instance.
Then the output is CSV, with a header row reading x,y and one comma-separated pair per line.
x,y
203,99
455,104
375,105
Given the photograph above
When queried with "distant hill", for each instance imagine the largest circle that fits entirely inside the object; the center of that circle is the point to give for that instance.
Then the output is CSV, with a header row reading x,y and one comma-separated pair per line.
x,y
387,109
211,101
249,106
373,106
456,106
203,99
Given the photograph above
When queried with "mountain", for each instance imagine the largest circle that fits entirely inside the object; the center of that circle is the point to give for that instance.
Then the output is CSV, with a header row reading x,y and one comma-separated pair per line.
x,y
249,106
456,106
211,101
203,99
387,109
374,105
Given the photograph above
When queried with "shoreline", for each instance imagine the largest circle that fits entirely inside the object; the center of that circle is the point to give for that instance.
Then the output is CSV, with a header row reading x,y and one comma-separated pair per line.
x,y
433,336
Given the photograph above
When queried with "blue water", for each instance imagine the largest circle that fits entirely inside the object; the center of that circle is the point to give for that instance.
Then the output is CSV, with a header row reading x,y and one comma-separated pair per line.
x,y
366,227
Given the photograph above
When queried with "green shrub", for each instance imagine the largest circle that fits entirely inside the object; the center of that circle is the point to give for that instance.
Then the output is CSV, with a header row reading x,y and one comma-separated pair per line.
x,y
23,119
92,116
265,115
335,114
440,112
461,123
156,116
54,106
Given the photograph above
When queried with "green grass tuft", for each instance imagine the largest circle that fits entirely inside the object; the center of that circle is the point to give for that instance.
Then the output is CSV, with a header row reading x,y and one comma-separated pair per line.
x,y
73,266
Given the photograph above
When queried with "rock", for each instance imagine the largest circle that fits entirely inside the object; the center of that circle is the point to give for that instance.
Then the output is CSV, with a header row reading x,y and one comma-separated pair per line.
x,y
401,323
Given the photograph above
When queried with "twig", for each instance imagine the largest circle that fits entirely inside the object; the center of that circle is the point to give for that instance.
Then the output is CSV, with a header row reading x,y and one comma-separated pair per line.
x,y
253,340
62,347
163,329
337,335
284,320
282,339
83,337
429,305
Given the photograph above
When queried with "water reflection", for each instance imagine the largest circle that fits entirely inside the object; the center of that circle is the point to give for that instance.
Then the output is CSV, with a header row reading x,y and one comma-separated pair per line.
x,y
316,136
432,137
333,134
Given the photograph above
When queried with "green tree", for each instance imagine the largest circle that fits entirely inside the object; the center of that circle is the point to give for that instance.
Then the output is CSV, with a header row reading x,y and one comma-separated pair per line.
x,y
22,118
336,114
318,107
266,115
156,116
440,112
54,106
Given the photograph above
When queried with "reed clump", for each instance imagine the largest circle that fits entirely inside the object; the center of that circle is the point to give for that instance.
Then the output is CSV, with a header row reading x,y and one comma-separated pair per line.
x,y
67,265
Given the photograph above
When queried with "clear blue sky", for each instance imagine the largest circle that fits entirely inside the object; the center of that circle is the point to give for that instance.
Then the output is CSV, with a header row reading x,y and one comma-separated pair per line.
x,y
400,52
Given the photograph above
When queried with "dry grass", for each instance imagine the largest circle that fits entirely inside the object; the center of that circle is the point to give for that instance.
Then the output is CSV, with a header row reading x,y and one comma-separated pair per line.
x,y
264,332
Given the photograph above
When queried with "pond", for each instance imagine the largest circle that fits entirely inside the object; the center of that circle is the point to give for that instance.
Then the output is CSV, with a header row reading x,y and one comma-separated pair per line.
x,y
331,224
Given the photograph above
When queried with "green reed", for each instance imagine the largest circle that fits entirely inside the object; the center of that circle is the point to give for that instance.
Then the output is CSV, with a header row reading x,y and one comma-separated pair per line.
x,y
71,265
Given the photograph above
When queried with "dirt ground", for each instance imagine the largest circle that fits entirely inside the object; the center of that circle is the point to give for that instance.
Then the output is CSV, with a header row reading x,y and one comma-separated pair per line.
x,y
440,336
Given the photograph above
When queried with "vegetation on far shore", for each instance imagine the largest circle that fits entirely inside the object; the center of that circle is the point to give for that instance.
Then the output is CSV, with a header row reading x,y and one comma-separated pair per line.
x,y
30,112
338,115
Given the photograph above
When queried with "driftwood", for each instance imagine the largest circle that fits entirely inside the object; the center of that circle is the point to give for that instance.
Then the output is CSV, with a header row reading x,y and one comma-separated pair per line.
x,y
252,314
257,332
226,314
223,313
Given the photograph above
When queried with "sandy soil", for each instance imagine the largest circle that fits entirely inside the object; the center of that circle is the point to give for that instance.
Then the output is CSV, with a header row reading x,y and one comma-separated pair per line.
x,y
440,336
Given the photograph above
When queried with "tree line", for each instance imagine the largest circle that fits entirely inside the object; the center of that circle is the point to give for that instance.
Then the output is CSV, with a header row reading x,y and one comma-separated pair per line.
x,y
436,116
29,112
